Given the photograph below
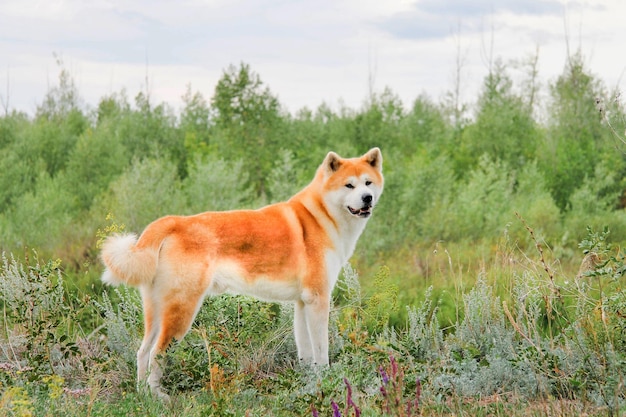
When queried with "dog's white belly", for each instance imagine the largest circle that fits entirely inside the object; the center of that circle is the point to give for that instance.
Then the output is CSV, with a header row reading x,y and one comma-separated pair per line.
x,y
227,278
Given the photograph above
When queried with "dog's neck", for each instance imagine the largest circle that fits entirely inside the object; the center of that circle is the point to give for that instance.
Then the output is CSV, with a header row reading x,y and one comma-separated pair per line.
x,y
342,228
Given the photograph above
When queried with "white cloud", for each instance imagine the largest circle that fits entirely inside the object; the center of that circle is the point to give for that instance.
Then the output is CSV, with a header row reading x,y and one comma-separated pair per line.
x,y
305,51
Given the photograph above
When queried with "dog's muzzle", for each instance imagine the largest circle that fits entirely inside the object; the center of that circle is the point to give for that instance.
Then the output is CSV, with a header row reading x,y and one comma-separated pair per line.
x,y
366,209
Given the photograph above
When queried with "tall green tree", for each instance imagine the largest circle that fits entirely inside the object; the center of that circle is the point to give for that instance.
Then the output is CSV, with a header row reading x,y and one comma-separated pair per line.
x,y
96,160
504,128
577,141
424,127
195,125
59,121
378,123
248,119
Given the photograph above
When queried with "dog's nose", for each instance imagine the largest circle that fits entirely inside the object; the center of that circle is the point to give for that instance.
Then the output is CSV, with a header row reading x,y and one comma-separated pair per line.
x,y
367,198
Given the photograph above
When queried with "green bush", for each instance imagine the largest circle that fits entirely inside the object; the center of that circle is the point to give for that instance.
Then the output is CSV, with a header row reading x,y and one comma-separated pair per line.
x,y
482,203
534,203
20,162
37,320
39,218
285,178
214,184
108,156
427,198
592,204
149,189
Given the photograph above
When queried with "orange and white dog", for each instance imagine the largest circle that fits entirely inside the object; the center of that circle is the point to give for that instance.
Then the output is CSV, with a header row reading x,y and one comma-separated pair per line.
x,y
289,251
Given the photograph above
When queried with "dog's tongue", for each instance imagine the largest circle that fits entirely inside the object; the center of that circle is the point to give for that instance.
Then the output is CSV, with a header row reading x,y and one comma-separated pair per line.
x,y
361,212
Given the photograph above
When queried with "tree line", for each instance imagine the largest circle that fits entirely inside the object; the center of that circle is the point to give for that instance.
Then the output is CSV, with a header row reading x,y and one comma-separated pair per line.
x,y
452,173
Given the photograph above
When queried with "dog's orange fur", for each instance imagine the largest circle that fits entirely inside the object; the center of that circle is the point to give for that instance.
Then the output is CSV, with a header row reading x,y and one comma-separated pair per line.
x,y
289,251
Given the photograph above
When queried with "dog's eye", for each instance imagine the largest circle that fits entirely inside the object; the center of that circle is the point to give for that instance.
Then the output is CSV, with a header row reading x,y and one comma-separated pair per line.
x,y
368,182
349,186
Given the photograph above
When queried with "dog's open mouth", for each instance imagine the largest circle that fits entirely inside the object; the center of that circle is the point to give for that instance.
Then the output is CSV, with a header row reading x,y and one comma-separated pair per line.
x,y
361,212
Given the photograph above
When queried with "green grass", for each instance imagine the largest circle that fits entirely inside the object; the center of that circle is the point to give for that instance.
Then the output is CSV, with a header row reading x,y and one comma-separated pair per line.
x,y
485,330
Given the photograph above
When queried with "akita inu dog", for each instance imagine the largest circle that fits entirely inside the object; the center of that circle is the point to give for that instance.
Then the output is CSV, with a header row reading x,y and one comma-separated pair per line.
x,y
289,251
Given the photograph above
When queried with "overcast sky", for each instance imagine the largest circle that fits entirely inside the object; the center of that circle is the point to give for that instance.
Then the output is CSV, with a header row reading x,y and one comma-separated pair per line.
x,y
307,52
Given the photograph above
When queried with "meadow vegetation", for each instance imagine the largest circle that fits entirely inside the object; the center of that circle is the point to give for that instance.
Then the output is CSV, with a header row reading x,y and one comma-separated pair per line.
x,y
490,280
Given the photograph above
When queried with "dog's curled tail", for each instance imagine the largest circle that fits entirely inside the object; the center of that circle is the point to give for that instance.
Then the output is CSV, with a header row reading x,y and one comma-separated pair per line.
x,y
126,263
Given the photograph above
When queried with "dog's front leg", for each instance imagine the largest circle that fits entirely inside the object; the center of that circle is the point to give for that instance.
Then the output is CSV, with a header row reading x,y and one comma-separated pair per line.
x,y
301,333
316,316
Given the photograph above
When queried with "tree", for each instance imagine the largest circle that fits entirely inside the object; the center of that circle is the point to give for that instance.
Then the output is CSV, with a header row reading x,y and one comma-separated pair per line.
x,y
96,160
425,127
504,127
195,124
59,121
378,123
247,116
576,140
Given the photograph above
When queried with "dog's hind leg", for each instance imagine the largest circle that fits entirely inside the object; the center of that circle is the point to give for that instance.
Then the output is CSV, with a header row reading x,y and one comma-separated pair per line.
x,y
151,330
176,318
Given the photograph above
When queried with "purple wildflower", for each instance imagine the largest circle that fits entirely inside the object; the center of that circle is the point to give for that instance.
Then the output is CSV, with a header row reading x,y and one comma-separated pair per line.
x,y
418,392
349,388
349,401
394,366
384,375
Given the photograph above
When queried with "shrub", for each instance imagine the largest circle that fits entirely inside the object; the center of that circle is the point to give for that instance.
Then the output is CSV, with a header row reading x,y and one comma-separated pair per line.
x,y
285,177
422,337
35,306
99,156
214,184
149,189
426,200
534,203
482,355
122,322
592,204
40,217
482,202
20,169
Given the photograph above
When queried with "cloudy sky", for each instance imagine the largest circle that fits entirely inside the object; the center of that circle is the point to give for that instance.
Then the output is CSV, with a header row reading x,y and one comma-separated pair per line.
x,y
307,52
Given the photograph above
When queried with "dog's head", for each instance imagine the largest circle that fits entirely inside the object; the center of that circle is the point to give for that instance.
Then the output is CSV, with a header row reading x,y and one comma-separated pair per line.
x,y
353,186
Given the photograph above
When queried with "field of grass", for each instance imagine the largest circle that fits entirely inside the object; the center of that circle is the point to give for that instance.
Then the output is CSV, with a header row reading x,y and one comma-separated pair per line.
x,y
514,336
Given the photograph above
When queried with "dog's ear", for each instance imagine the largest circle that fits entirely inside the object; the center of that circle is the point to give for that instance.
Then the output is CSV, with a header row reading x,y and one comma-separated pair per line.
x,y
332,162
375,158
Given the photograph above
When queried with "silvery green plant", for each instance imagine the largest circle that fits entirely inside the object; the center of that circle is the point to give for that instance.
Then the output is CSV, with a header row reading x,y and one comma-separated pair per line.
x,y
35,305
122,321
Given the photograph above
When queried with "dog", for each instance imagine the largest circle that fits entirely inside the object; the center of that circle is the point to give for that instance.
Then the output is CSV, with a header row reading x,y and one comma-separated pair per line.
x,y
291,251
